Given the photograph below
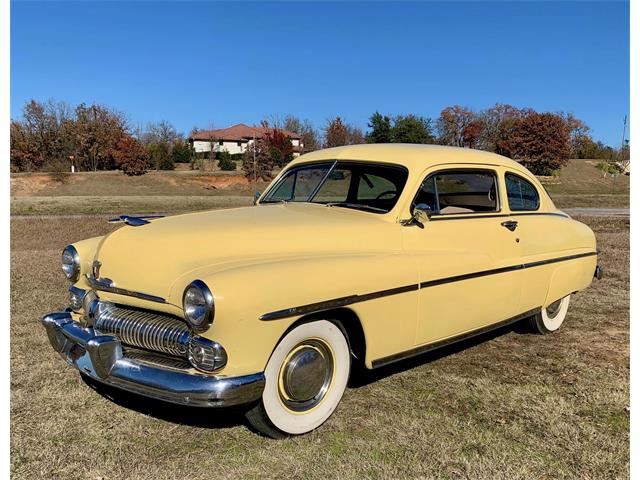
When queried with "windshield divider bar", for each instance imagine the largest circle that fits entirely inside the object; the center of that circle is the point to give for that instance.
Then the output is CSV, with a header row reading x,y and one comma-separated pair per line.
x,y
324,179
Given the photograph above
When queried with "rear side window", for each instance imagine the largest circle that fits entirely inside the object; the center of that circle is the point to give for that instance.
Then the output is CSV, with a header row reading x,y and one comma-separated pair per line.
x,y
451,192
521,193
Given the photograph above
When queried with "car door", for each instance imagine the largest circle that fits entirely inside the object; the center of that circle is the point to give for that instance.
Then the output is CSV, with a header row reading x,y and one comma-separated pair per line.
x,y
467,255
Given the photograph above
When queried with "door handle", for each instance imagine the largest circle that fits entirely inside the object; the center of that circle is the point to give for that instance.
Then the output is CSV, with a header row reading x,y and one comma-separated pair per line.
x,y
510,225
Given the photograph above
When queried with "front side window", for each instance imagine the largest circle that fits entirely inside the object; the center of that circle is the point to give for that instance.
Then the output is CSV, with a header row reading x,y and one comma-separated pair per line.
x,y
521,193
365,186
462,191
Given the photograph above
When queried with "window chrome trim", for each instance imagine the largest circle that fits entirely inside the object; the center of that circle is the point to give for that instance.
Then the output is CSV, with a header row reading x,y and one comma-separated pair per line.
x,y
472,169
335,162
520,177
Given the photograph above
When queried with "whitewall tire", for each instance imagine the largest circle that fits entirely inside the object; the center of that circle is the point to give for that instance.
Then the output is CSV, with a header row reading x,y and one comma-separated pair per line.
x,y
305,379
551,317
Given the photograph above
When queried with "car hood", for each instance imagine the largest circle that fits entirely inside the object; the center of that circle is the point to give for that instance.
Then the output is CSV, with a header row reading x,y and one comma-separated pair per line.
x,y
160,256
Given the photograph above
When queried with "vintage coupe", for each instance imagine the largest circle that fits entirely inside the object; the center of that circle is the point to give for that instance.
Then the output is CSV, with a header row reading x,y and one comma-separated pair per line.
x,y
358,255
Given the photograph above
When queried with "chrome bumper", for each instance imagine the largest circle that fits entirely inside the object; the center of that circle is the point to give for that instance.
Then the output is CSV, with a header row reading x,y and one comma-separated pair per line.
x,y
101,358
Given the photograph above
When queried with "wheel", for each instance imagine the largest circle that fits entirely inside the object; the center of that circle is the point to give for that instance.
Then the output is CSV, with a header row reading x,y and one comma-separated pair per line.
x,y
305,379
551,317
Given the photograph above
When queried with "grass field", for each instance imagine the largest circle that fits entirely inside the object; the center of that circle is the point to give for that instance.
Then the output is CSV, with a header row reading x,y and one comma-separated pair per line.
x,y
508,405
580,184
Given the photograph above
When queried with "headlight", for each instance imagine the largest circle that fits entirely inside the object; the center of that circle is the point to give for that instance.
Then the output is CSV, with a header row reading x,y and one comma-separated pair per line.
x,y
197,302
71,263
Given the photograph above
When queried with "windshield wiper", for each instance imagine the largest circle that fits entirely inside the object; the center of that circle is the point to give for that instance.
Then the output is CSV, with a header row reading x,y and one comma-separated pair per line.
x,y
357,206
278,200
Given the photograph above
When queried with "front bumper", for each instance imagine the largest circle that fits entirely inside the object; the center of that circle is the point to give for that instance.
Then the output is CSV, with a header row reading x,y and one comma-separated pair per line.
x,y
101,358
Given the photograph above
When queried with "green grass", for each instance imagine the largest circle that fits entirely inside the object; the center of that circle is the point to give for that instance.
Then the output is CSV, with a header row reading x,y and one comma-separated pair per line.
x,y
507,406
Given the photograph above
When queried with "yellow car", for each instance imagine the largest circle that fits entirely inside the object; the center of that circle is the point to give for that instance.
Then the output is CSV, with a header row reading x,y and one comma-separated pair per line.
x,y
354,256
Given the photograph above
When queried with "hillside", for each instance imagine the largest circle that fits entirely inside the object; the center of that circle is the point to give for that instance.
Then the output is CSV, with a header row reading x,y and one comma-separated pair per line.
x,y
580,184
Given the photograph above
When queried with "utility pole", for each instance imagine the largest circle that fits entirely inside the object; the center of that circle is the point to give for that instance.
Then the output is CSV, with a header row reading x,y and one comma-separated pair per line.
x,y
255,174
624,134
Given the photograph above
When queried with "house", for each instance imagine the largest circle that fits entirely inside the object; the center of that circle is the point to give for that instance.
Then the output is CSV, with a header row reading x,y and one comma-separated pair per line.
x,y
236,139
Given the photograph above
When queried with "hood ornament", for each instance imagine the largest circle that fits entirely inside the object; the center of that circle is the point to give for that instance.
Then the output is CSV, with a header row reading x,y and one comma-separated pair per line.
x,y
134,221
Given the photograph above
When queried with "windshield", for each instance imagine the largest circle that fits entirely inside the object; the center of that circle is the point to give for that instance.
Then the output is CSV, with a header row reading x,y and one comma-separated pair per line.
x,y
366,186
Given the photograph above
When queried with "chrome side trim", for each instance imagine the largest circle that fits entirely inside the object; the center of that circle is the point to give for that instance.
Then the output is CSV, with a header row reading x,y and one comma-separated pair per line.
x,y
106,285
102,358
448,341
351,299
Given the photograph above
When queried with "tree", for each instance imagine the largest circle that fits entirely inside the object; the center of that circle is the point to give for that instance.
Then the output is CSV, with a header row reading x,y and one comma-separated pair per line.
x,y
452,123
495,126
225,162
380,126
540,141
160,132
280,146
411,129
97,131
578,131
336,133
160,156
355,136
182,151
257,163
304,128
131,156
23,153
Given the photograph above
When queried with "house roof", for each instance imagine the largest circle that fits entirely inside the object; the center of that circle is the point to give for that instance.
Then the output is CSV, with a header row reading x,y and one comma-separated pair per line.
x,y
237,133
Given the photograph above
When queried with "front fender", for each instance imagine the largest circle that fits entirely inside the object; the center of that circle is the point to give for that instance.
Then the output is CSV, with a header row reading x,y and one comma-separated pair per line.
x,y
245,293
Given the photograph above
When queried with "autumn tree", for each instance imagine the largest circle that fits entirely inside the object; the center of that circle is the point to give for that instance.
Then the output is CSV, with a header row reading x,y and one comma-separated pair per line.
x,y
257,162
97,131
309,135
496,124
336,133
280,146
540,141
452,124
131,156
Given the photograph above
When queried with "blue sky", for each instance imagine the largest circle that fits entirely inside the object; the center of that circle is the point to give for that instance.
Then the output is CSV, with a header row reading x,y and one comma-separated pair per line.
x,y
215,64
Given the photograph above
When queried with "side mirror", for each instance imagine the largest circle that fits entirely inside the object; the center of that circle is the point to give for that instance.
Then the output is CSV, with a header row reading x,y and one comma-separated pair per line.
x,y
421,215
256,196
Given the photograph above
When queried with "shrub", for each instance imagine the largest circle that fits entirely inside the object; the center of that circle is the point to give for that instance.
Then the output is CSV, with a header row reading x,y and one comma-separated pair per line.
x,y
225,162
131,156
59,170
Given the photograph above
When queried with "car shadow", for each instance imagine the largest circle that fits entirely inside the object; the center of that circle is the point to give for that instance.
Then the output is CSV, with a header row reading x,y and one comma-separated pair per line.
x,y
219,418
228,417
361,377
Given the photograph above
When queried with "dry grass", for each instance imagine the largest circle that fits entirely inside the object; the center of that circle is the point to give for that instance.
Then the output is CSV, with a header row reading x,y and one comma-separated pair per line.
x,y
115,205
505,406
581,184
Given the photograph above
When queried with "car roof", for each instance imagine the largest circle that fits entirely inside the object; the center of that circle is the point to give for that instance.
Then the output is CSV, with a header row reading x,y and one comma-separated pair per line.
x,y
412,156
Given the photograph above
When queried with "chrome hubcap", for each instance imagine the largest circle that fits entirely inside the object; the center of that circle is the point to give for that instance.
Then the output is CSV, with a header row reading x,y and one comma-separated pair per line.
x,y
306,374
554,309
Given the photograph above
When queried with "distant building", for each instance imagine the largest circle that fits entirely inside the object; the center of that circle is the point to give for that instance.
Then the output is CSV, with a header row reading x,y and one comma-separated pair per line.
x,y
236,139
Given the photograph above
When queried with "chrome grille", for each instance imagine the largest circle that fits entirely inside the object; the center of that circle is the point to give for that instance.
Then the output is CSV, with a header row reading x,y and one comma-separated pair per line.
x,y
138,328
